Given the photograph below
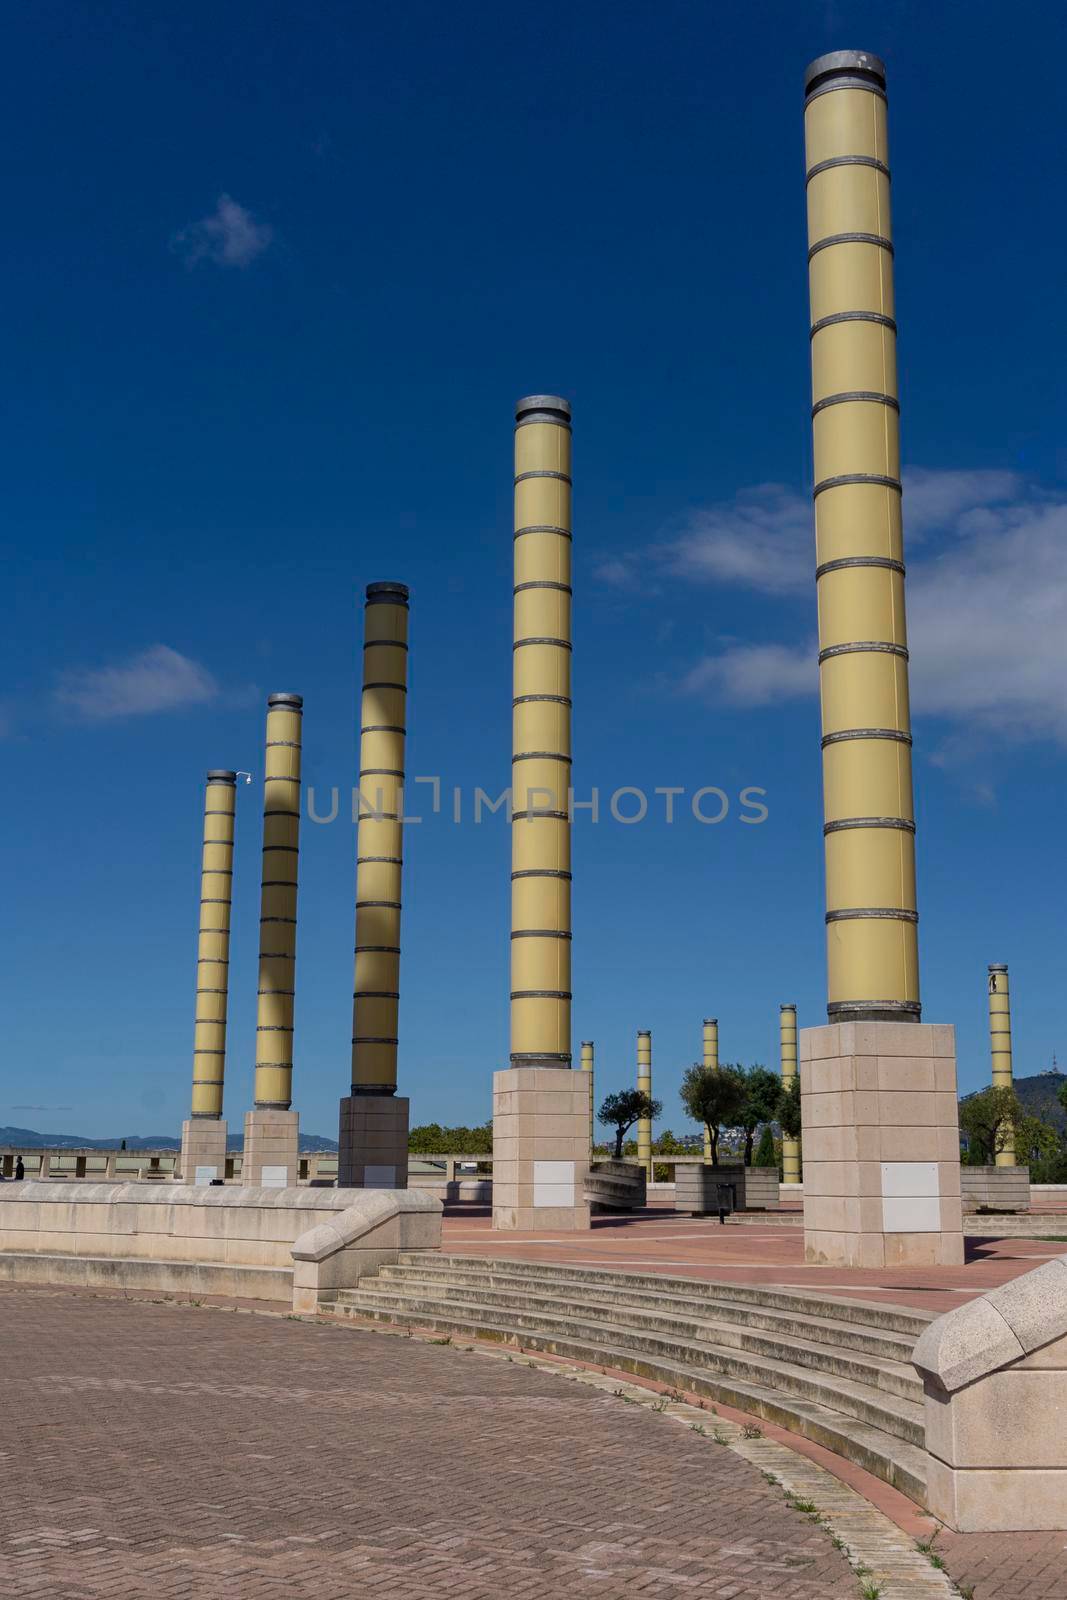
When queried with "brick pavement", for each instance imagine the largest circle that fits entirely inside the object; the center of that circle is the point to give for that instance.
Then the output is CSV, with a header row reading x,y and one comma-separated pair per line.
x,y
151,1449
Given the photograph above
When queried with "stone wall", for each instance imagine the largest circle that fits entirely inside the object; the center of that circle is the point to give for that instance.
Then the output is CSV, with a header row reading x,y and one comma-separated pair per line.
x,y
268,1244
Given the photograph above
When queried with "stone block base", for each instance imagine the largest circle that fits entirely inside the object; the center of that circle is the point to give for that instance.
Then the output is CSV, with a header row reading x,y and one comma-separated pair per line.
x,y
995,1188
540,1149
881,1145
373,1142
700,1190
271,1149
203,1150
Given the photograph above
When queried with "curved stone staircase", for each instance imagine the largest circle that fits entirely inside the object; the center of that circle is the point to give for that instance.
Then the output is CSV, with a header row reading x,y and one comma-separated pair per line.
x,y
835,1371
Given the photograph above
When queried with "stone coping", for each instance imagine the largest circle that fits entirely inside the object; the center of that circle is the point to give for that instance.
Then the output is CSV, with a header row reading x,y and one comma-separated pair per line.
x,y
225,1197
360,1216
1002,1327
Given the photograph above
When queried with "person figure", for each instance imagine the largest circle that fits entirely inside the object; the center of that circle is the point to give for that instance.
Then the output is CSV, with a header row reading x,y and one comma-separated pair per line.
x,y
20,1169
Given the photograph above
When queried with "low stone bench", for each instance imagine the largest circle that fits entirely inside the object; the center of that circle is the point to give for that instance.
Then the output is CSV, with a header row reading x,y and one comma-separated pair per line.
x,y
995,1394
294,1245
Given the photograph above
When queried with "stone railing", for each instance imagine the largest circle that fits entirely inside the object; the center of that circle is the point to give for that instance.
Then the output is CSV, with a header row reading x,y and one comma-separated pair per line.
x,y
293,1245
994,1375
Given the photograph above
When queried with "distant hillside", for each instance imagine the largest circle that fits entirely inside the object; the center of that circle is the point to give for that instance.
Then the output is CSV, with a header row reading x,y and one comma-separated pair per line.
x,y
27,1139
1039,1096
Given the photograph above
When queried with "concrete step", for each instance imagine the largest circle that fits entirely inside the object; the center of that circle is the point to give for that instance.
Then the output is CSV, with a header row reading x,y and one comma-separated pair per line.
x,y
857,1313
828,1413
893,1375
891,1413
719,1308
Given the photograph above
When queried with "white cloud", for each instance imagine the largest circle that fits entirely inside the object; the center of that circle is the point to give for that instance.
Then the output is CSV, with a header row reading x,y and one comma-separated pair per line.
x,y
230,236
159,679
762,539
987,601
754,674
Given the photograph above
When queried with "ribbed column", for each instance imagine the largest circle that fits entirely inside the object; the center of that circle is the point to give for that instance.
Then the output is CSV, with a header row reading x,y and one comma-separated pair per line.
x,y
213,948
787,1036
541,737
711,1060
869,819
379,847
644,1082
277,937
1000,1044
587,1067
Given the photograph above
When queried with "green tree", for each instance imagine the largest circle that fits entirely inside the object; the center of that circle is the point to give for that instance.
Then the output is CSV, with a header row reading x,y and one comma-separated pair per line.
x,y
1037,1144
432,1140
766,1155
713,1096
1061,1094
987,1119
620,1111
763,1093
789,1110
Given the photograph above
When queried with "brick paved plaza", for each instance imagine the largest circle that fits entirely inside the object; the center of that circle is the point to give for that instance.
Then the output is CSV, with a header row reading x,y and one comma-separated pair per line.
x,y
166,1450
171,1451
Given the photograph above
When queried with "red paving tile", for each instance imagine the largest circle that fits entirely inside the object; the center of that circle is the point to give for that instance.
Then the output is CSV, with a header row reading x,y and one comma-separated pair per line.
x,y
697,1247
156,1450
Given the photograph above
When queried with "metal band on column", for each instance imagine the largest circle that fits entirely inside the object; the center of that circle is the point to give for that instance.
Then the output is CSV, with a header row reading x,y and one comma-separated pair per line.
x,y
541,737
1000,1045
277,921
711,1062
213,948
587,1066
872,950
644,1082
379,840
787,1035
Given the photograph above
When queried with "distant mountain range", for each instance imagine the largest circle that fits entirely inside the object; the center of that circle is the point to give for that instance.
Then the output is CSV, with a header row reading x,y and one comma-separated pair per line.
x,y
27,1139
1039,1094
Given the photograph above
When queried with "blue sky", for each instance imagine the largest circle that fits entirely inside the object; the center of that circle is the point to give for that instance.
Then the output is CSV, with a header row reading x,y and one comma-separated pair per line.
x,y
275,278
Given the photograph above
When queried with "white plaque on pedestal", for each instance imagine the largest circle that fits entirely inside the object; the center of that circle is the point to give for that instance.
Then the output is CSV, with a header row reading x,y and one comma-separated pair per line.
x,y
379,1177
274,1178
910,1197
553,1183
205,1174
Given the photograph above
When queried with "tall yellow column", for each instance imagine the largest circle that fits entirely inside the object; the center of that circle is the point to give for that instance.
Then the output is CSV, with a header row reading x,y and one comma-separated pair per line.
x,y
1000,1044
539,1181
587,1067
373,1143
895,1155
711,1060
787,1035
644,1082
203,1155
869,828
271,1127
541,738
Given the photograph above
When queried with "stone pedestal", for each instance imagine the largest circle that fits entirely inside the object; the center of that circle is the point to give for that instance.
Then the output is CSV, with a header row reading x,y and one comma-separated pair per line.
x,y
540,1149
373,1142
881,1145
271,1151
203,1150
